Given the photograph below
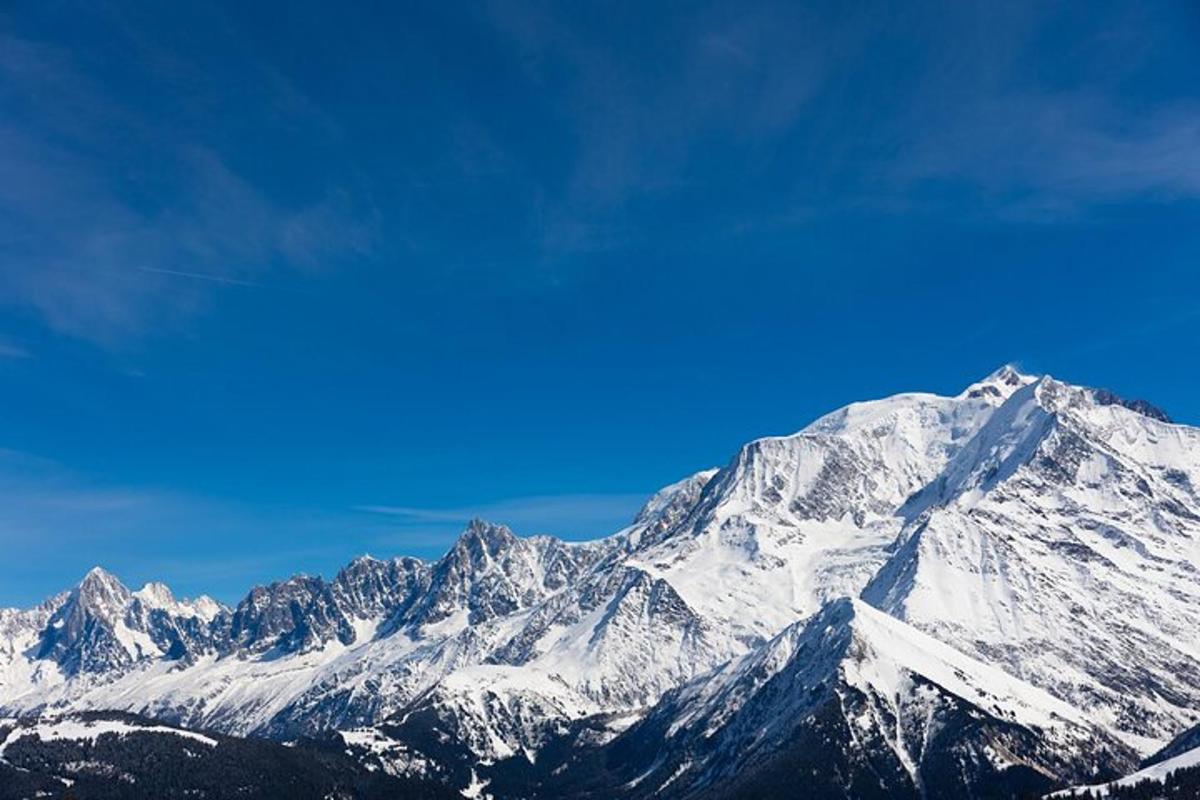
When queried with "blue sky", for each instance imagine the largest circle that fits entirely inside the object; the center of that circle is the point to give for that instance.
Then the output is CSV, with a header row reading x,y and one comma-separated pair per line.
x,y
285,283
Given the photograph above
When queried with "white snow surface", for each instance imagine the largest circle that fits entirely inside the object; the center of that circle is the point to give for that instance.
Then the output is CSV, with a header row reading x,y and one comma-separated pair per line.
x,y
887,655
1063,543
158,595
1021,524
1155,772
88,730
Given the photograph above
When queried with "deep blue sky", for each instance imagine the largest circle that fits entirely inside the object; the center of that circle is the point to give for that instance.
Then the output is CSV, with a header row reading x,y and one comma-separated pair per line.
x,y
266,266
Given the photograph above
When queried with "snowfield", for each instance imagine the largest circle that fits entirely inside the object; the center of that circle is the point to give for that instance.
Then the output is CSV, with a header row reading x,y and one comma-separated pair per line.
x,y
88,731
1021,559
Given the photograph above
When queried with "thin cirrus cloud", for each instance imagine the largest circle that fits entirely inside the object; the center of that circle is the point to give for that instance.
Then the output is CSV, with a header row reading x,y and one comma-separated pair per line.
x,y
199,276
56,523
106,225
643,120
11,350
44,503
125,212
572,515
1051,155
886,110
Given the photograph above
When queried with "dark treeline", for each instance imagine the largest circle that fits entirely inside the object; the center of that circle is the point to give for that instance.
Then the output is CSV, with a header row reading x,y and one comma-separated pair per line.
x,y
134,766
1182,784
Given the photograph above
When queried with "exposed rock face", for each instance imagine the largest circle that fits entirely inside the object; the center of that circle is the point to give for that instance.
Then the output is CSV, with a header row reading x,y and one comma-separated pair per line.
x,y
860,705
101,627
1063,544
1035,544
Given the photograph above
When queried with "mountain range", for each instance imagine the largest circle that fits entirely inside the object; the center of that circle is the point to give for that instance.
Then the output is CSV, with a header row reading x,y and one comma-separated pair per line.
x,y
994,594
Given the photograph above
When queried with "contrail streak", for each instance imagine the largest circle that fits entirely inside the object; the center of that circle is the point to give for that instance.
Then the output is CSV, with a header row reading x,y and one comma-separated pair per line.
x,y
200,276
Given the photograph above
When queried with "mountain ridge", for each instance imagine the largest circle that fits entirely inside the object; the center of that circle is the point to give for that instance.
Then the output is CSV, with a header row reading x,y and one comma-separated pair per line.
x,y
1046,530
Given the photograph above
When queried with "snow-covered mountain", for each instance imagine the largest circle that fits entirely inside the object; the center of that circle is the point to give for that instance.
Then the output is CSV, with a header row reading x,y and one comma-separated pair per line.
x,y
1027,554
101,626
862,705
1064,544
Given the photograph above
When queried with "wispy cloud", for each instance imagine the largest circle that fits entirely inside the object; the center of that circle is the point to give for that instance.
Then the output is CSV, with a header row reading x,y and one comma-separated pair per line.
x,y
199,276
10,350
643,132
59,523
1049,155
103,205
55,523
44,501
570,514
857,109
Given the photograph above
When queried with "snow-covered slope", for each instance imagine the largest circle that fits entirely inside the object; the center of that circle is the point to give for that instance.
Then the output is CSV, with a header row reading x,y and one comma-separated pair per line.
x,y
102,627
796,520
1063,542
733,556
20,635
95,632
88,730
1155,773
1046,530
862,701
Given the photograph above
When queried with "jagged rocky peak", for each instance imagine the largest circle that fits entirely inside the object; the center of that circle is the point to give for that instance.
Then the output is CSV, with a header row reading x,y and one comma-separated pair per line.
x,y
1107,398
1067,522
296,615
368,567
206,608
483,540
491,572
368,587
1025,524
668,503
156,595
85,634
665,512
101,593
100,626
16,623
865,458
999,385
1006,380
366,563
